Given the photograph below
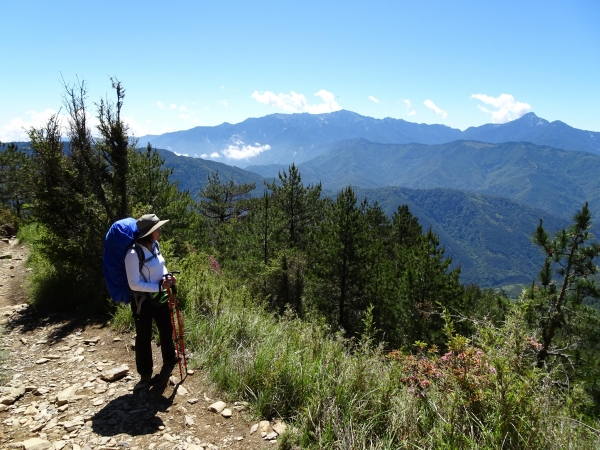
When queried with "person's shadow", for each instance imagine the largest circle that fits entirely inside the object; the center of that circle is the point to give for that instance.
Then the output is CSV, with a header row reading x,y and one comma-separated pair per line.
x,y
135,413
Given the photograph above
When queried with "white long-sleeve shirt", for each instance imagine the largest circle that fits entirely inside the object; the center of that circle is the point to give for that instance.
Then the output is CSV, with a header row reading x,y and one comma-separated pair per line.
x,y
153,269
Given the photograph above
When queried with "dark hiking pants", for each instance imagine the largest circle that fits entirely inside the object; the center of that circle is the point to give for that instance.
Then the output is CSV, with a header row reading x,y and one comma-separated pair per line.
x,y
144,311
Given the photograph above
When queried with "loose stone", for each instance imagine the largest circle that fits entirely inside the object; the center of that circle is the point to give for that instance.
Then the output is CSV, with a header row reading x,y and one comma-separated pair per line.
x,y
279,427
12,395
265,426
66,394
217,407
115,374
36,444
271,436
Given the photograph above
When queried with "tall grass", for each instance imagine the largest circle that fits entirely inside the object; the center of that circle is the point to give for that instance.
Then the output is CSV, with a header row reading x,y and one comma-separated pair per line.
x,y
342,394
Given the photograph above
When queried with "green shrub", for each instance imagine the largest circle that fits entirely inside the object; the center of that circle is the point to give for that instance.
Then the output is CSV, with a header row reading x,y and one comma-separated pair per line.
x,y
52,288
8,217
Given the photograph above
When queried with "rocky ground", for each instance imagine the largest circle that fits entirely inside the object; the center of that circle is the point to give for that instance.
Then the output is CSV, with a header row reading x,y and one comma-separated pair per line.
x,y
69,383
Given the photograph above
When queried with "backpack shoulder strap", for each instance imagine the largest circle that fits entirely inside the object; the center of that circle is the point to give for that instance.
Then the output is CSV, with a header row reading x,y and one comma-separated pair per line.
x,y
139,251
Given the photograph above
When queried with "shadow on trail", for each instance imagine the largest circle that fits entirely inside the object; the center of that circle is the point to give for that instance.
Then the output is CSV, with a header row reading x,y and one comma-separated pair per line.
x,y
134,414
60,324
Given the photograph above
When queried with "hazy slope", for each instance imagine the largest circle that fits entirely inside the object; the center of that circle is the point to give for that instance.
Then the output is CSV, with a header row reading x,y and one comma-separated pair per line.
x,y
557,181
192,173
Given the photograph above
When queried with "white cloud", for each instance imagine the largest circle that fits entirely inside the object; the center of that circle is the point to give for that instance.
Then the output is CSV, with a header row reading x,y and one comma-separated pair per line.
x,y
294,102
408,106
224,103
181,154
429,104
206,108
373,99
160,104
215,155
172,106
245,151
16,129
507,108
203,155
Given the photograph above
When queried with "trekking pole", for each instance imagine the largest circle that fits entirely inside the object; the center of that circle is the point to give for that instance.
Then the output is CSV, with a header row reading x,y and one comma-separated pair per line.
x,y
177,327
180,326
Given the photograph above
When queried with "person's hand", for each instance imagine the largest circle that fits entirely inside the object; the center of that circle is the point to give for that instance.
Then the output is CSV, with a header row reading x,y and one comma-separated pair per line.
x,y
168,282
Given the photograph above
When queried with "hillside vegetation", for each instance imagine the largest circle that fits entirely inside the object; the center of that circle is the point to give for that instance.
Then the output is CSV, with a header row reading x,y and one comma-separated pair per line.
x,y
350,325
487,236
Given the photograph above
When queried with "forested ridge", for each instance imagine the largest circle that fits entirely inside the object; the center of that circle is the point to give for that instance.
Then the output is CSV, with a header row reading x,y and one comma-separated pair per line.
x,y
347,321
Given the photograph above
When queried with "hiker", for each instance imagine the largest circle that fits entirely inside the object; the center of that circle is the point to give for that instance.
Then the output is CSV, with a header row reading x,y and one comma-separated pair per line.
x,y
149,298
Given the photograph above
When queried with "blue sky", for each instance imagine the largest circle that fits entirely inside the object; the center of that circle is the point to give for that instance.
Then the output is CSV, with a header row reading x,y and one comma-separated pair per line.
x,y
190,63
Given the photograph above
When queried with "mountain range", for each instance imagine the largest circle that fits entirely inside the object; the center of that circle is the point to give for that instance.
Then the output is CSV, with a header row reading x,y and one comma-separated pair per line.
x,y
286,138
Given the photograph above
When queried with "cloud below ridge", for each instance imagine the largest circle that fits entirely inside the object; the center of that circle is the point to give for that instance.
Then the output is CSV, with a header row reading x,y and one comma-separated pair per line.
x,y
245,151
507,108
295,103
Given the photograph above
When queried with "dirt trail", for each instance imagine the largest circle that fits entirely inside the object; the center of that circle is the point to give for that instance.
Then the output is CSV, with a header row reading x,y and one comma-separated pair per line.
x,y
54,393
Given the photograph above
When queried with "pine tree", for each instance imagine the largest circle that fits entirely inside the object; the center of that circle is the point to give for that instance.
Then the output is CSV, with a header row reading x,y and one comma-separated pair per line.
x,y
298,206
557,305
378,266
223,201
339,262
115,146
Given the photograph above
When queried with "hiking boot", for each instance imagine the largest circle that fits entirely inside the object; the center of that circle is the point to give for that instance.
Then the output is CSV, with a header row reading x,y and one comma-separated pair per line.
x,y
146,378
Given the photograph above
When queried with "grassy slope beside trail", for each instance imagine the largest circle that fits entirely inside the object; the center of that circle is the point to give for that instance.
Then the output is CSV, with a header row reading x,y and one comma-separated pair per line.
x,y
347,394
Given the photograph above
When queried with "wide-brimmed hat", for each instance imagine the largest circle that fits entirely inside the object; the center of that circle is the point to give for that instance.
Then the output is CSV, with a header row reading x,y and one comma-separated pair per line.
x,y
149,223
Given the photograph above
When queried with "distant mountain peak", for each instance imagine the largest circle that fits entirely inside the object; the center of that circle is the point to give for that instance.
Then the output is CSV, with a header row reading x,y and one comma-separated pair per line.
x,y
531,119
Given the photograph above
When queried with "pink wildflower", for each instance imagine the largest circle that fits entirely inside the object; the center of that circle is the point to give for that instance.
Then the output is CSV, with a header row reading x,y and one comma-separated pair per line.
x,y
214,265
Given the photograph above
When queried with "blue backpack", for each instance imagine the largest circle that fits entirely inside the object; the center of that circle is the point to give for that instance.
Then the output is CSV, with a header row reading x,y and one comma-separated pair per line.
x,y
120,237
